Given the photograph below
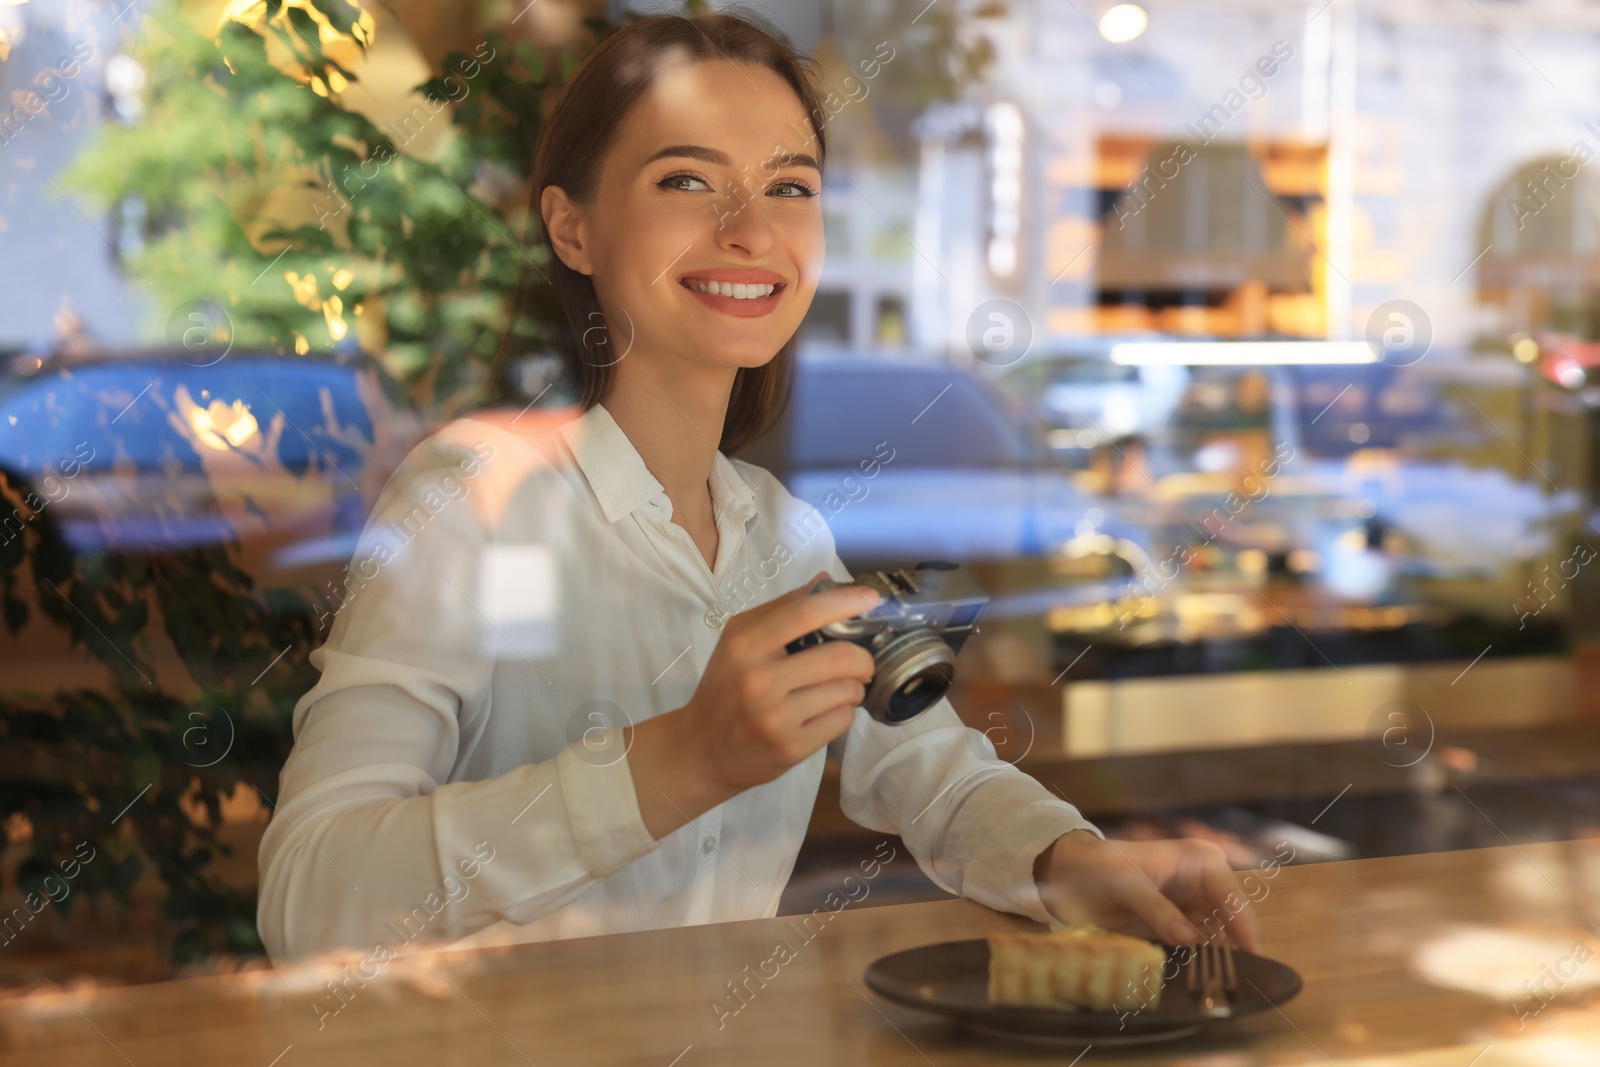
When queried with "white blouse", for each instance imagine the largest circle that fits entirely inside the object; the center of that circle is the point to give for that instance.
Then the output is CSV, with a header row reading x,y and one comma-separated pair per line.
x,y
518,596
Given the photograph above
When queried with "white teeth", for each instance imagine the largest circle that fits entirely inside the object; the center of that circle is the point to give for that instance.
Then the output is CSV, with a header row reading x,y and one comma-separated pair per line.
x,y
739,291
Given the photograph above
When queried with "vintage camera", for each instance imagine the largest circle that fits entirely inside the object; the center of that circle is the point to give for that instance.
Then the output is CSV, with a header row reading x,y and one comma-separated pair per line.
x,y
925,616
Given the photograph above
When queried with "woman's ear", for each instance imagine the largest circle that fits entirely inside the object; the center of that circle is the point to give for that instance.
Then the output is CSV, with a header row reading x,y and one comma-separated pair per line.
x,y
564,223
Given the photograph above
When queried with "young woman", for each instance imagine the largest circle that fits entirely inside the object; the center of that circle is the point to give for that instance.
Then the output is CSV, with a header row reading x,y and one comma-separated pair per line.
x,y
539,715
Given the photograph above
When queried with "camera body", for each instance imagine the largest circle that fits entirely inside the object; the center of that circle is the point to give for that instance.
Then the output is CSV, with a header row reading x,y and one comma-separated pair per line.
x,y
926,615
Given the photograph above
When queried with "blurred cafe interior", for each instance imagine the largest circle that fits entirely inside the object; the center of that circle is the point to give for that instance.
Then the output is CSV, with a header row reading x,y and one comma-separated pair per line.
x,y
1240,350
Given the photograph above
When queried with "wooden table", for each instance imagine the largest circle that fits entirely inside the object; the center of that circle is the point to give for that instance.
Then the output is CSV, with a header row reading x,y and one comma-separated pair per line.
x,y
1377,941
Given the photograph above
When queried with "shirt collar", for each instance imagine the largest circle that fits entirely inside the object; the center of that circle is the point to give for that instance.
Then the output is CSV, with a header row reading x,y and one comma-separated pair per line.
x,y
622,483
730,491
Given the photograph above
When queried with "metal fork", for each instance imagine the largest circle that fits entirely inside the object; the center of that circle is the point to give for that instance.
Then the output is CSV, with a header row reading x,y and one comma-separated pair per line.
x,y
1212,976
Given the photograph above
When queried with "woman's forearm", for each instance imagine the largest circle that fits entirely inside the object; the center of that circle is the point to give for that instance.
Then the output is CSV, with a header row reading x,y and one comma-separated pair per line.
x,y
671,778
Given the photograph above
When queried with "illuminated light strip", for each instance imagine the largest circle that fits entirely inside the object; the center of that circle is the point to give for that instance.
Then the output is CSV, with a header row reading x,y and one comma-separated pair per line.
x,y
1005,130
1240,353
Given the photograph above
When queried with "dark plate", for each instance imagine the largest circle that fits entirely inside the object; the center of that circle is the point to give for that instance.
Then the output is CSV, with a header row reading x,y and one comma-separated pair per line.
x,y
951,978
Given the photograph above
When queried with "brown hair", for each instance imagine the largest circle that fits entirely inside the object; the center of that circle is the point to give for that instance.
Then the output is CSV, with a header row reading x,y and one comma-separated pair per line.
x,y
580,131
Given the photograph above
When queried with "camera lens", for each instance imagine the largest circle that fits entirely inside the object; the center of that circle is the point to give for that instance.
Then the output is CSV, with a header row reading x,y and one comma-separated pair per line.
x,y
917,695
914,670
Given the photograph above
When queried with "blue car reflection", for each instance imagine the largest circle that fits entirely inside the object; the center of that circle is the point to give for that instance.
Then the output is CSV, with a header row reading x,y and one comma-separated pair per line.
x,y
136,451
911,461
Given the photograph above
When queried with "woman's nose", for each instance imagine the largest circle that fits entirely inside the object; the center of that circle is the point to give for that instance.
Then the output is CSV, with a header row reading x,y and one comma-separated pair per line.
x,y
740,222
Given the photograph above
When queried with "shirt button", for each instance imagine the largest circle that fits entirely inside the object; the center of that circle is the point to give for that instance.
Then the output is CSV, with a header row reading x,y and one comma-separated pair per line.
x,y
708,845
715,618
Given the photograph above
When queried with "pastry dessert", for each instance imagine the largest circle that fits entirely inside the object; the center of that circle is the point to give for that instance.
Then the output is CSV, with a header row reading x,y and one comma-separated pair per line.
x,y
1079,968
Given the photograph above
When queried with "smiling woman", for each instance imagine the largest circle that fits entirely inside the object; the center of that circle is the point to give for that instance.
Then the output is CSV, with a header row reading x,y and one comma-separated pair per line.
x,y
720,148
554,666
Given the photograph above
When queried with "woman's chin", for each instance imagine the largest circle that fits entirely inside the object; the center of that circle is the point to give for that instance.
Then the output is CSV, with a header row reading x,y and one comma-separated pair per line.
x,y
735,357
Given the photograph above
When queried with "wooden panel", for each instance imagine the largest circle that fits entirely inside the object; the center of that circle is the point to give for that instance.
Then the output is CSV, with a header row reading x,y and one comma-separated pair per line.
x,y
1269,707
1163,782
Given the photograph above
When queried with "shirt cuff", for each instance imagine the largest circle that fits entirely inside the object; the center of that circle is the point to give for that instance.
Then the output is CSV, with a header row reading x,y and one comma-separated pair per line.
x,y
597,787
1035,829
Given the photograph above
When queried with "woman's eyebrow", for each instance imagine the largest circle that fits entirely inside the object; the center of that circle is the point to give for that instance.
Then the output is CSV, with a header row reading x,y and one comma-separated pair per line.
x,y
722,159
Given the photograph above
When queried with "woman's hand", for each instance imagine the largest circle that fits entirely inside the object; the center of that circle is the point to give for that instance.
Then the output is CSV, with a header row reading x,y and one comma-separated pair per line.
x,y
758,709
1179,891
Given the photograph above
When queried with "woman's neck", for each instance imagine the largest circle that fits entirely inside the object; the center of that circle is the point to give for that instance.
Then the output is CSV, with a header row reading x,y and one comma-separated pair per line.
x,y
674,421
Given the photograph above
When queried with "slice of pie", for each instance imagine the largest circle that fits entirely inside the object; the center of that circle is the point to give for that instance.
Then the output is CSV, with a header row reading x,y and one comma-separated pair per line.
x,y
1079,968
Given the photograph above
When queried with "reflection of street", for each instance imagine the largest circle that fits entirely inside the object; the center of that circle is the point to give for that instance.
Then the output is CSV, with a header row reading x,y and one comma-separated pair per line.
x,y
139,458
1208,517
1253,522
1198,518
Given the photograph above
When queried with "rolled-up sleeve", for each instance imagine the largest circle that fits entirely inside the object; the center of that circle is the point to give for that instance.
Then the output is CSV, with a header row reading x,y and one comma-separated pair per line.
x,y
602,807
370,841
973,822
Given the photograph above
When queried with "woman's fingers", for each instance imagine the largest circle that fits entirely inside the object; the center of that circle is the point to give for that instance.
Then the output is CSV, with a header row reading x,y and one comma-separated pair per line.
x,y
798,612
808,703
826,662
1221,887
1134,890
820,729
1180,892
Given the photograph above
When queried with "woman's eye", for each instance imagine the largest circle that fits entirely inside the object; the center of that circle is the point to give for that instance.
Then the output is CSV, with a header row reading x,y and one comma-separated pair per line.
x,y
669,181
800,190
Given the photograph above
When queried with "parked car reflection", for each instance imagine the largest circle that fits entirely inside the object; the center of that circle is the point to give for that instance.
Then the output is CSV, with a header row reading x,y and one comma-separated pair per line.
x,y
136,451
910,461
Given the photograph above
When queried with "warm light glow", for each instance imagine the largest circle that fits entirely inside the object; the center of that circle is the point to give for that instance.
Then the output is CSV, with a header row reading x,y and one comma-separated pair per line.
x,y
305,289
253,13
1304,561
10,29
333,313
342,48
1508,963
332,307
1240,353
222,425
1123,23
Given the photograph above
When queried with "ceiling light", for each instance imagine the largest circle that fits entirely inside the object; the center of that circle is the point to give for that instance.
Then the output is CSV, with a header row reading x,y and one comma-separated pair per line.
x,y
1123,23
1239,353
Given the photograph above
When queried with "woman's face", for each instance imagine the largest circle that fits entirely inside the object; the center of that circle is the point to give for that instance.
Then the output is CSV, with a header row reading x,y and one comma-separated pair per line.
x,y
698,189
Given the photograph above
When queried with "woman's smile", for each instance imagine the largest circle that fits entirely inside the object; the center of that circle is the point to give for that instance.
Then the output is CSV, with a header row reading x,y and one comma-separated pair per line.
x,y
741,292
